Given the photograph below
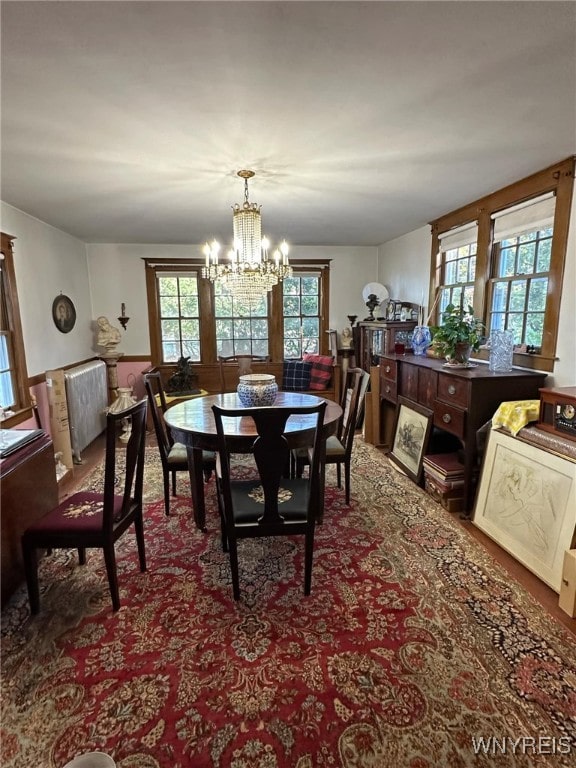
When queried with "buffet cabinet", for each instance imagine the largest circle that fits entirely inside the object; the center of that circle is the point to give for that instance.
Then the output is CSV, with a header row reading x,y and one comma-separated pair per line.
x,y
460,400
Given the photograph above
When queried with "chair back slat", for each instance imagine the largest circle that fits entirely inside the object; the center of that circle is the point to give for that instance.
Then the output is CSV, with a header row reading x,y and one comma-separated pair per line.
x,y
134,461
154,389
240,364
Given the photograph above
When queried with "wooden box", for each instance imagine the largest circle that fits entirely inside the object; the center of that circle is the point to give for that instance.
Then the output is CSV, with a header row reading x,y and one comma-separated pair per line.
x,y
567,599
452,499
444,480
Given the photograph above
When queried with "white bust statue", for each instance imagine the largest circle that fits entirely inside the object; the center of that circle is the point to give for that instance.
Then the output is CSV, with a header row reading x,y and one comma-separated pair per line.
x,y
108,336
346,338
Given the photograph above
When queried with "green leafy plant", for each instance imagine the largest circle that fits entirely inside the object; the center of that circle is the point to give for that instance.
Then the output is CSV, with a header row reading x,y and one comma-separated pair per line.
x,y
459,326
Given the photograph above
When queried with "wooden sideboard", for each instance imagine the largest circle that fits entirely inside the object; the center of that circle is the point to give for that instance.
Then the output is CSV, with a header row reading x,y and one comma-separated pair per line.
x,y
461,400
29,490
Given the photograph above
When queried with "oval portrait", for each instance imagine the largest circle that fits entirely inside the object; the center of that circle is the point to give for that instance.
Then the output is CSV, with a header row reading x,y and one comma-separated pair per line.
x,y
63,313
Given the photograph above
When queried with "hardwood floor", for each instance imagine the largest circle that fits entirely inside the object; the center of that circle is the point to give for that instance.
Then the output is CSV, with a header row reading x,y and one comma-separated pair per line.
x,y
547,598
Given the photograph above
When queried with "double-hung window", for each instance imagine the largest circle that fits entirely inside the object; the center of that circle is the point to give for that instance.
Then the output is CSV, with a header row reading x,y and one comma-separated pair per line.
x,y
522,237
457,266
179,315
302,322
241,327
14,391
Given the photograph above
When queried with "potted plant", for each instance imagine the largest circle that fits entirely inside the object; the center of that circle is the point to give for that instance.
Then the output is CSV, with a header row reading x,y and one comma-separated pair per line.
x,y
459,334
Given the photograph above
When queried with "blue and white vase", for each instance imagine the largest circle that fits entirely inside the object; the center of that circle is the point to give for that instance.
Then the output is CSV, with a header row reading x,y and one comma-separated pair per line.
x,y
256,390
421,339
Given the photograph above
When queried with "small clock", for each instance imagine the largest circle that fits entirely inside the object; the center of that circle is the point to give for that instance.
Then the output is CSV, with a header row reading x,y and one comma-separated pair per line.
x,y
558,411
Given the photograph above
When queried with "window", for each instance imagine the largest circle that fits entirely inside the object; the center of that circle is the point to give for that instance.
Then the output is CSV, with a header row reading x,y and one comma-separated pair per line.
x,y
14,392
512,275
179,316
521,270
7,370
190,316
457,266
241,329
301,300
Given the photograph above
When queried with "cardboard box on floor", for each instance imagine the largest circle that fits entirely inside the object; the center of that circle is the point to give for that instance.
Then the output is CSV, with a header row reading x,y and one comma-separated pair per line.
x,y
59,425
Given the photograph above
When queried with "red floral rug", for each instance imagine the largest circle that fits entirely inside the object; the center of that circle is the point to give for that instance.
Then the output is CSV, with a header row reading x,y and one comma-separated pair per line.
x,y
415,649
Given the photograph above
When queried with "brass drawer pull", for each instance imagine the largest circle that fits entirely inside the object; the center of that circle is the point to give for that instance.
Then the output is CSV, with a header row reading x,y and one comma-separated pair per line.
x,y
387,369
451,389
388,390
446,418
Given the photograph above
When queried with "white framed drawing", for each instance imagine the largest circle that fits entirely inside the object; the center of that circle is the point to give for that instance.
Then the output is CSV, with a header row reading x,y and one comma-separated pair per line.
x,y
526,502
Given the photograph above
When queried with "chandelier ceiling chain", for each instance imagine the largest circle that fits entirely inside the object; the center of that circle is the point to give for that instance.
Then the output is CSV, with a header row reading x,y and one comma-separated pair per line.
x,y
249,272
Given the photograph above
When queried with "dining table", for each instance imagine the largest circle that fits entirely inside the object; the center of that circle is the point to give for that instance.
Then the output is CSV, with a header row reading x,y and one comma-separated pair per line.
x,y
191,423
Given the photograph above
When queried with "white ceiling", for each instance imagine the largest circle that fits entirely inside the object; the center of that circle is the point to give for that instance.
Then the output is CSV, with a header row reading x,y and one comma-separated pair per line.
x,y
127,121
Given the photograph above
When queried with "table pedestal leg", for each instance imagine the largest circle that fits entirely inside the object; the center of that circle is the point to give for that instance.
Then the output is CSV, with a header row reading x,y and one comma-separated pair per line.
x,y
197,486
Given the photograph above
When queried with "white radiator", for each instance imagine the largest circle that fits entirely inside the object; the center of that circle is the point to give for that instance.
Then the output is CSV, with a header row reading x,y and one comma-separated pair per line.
x,y
87,396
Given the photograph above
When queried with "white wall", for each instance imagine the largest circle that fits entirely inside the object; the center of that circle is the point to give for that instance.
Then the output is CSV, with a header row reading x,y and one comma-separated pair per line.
x,y
404,267
117,276
48,262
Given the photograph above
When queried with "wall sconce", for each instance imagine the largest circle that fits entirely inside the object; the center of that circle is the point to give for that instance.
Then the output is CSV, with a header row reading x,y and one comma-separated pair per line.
x,y
123,320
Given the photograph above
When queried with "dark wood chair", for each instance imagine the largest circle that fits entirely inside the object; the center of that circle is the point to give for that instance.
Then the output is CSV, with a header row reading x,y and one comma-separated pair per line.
x,y
174,456
271,504
96,520
339,446
241,364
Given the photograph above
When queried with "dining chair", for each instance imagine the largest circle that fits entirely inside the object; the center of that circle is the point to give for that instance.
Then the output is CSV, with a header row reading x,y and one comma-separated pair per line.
x,y
174,456
339,446
241,364
269,504
89,519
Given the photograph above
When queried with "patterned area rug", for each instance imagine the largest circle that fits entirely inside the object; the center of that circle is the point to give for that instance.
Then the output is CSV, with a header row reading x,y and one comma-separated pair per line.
x,y
415,649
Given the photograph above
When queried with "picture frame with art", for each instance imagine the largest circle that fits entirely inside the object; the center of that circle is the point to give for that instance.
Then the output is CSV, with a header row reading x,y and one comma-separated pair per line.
x,y
526,503
412,427
63,313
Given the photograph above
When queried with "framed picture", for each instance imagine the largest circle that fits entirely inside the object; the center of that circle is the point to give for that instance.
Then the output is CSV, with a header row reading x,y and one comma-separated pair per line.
x,y
526,503
63,313
411,433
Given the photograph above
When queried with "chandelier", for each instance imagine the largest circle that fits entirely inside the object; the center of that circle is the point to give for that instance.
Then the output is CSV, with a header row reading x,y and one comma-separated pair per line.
x,y
248,271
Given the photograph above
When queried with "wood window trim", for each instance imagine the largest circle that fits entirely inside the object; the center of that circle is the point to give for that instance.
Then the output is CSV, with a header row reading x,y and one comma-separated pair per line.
x,y
558,178
206,297
23,408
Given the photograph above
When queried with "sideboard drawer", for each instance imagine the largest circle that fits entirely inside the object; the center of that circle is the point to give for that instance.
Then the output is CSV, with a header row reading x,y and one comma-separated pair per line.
x,y
389,390
451,389
450,418
388,369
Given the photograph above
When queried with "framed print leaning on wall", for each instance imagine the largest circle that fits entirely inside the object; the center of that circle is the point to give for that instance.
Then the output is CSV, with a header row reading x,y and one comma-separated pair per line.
x,y
411,433
527,503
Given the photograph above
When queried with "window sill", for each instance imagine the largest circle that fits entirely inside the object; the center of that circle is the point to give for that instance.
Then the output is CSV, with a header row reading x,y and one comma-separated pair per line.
x,y
19,416
523,360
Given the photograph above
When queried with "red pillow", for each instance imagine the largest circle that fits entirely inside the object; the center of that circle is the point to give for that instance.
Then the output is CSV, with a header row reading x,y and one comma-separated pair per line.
x,y
321,374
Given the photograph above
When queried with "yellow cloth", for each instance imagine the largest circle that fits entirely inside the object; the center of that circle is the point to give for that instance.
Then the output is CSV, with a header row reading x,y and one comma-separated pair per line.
x,y
515,414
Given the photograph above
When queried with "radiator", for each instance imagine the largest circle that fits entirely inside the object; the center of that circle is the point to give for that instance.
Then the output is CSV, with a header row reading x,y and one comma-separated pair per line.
x,y
87,396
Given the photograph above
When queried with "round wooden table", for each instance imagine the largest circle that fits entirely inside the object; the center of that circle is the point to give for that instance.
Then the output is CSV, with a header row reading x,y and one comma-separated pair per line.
x,y
192,424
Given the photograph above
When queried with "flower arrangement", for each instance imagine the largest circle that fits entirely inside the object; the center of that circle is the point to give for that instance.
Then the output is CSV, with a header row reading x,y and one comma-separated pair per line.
x,y
459,333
